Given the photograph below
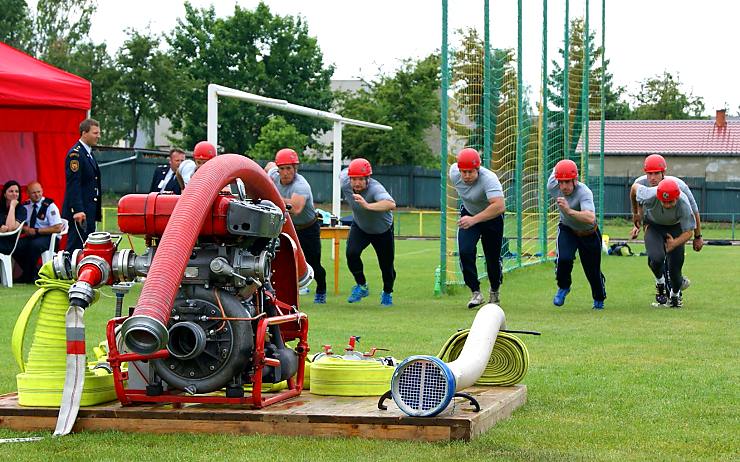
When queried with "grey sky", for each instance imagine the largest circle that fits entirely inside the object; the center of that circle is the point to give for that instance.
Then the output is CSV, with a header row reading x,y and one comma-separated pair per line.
x,y
643,38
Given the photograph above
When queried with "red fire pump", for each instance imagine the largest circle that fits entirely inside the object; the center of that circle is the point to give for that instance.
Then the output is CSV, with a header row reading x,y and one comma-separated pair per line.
x,y
221,292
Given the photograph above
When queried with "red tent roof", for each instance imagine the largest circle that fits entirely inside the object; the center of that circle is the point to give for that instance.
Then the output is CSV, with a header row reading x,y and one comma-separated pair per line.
x,y
664,137
26,81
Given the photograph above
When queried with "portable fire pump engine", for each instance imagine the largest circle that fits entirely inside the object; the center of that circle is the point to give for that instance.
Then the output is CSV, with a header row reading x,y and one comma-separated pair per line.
x,y
220,299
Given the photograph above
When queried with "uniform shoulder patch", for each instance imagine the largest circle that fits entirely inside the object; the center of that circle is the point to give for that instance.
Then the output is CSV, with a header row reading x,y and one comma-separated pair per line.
x,y
74,165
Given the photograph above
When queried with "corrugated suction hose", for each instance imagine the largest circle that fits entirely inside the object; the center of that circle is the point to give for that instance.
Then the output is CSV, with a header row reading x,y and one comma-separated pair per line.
x,y
145,332
41,380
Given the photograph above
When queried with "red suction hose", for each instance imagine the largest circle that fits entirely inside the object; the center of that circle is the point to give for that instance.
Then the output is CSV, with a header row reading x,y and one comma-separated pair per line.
x,y
145,332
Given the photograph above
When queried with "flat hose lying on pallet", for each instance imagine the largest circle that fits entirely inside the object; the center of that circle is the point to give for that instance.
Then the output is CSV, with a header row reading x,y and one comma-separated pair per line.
x,y
508,362
347,377
41,380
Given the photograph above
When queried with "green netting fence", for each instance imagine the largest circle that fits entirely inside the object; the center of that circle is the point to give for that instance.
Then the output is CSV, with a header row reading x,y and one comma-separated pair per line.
x,y
524,104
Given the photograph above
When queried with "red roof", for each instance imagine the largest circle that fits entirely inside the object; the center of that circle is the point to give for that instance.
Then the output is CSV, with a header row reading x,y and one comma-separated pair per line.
x,y
26,81
664,137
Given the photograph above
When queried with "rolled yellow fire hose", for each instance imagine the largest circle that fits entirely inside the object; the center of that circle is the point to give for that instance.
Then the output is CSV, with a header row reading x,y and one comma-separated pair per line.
x,y
508,362
41,379
346,377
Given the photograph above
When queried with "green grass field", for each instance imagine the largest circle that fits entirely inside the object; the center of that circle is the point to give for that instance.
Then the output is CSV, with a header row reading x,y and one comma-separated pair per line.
x,y
629,383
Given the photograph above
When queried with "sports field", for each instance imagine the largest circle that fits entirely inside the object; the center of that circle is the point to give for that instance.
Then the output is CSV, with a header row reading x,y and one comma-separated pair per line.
x,y
629,383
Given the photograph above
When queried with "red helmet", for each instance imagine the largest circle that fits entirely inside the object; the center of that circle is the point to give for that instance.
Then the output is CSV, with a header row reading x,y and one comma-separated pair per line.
x,y
204,151
359,168
286,156
468,159
566,169
654,163
668,190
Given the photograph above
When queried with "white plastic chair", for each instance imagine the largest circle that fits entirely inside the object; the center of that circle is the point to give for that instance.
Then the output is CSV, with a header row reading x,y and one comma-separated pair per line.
x,y
6,261
55,237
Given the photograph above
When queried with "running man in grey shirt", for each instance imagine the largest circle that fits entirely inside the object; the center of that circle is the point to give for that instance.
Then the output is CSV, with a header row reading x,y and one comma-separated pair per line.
x,y
296,192
577,231
669,224
372,225
654,168
481,219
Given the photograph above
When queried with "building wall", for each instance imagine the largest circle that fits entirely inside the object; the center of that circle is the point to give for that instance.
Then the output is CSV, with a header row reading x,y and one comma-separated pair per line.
x,y
716,169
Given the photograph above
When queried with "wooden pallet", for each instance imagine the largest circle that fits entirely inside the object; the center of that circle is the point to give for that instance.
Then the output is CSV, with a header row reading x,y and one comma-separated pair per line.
x,y
308,415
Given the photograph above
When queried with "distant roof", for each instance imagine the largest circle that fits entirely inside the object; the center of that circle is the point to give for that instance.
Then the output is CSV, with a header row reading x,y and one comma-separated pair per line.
x,y
677,137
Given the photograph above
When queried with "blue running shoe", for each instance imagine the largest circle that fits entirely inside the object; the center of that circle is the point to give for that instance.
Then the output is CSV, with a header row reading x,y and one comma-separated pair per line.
x,y
320,299
386,299
358,293
559,298
598,304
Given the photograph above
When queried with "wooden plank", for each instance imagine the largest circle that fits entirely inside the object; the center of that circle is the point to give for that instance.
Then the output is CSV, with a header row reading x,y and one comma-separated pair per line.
x,y
305,415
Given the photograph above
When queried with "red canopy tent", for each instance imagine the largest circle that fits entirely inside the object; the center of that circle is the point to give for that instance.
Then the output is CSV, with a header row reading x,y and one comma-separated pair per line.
x,y
41,108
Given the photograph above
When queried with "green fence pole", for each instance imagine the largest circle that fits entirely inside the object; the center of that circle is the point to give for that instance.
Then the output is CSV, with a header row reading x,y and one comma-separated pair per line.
x,y
603,113
585,94
443,157
544,142
566,85
487,135
519,117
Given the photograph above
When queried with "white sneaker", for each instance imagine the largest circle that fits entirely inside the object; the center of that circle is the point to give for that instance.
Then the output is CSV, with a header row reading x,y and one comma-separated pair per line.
x,y
685,284
475,300
493,297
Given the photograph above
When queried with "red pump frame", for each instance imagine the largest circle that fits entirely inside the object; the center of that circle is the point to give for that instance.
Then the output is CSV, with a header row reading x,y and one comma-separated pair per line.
x,y
295,385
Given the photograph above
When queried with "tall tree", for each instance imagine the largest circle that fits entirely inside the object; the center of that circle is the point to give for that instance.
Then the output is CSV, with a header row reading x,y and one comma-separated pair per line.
x,y
661,98
255,51
615,106
408,101
275,135
59,27
146,83
15,24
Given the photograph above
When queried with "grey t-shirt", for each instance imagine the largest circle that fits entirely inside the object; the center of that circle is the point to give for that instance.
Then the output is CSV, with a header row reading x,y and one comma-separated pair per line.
x,y
369,221
580,199
299,186
656,214
475,197
681,185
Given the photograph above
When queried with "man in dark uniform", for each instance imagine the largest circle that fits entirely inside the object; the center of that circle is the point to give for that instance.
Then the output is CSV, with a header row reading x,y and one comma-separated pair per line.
x,y
82,196
165,176
43,221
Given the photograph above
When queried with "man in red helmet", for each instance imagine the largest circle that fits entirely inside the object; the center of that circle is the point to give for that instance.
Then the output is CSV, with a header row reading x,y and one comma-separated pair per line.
x,y
669,223
481,219
202,153
654,167
297,194
577,231
372,224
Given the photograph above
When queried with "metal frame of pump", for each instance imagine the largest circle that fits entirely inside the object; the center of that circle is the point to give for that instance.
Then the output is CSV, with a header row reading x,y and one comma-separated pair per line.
x,y
295,386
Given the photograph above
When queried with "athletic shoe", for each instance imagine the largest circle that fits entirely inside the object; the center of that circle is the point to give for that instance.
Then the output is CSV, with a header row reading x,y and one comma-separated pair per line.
x,y
598,304
685,284
661,297
559,298
676,300
475,300
358,293
493,297
386,299
319,299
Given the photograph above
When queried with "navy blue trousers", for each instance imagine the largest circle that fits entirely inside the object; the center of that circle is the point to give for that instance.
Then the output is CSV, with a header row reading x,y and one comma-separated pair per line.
x,y
655,245
589,249
384,246
491,235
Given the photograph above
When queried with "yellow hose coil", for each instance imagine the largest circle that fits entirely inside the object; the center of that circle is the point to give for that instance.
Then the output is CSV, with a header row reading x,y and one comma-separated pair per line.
x,y
345,377
508,362
41,380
